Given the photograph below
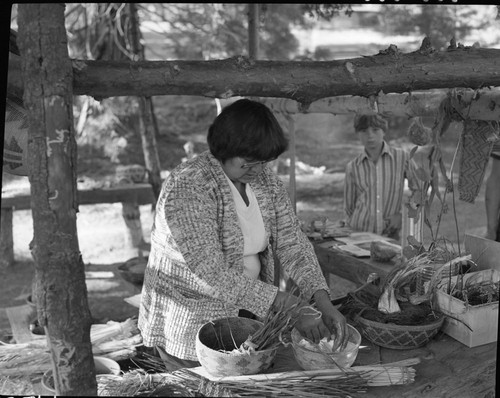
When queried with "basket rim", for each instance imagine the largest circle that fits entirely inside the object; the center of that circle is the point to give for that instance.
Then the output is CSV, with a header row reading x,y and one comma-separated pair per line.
x,y
198,341
392,326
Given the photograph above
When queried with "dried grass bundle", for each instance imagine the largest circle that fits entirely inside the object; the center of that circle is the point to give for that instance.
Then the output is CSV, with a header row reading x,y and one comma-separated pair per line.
x,y
311,383
114,340
142,384
24,359
398,283
20,385
401,275
277,326
113,331
475,291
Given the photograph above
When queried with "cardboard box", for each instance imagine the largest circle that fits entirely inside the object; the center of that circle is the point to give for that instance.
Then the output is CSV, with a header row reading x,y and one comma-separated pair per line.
x,y
482,319
484,252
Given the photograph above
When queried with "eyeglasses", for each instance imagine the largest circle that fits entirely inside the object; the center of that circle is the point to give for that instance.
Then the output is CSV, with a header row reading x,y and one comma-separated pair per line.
x,y
253,164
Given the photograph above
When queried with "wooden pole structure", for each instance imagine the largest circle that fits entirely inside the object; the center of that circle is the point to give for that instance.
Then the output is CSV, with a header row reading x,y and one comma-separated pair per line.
x,y
61,292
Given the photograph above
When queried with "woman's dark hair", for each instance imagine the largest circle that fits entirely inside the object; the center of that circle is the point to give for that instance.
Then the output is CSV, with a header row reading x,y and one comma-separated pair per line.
x,y
362,122
247,129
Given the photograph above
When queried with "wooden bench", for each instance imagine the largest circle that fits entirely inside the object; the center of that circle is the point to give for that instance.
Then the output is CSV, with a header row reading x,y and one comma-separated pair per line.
x,y
131,196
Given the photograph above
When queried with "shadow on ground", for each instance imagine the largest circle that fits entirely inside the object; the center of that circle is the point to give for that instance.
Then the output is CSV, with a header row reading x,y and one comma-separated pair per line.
x,y
106,291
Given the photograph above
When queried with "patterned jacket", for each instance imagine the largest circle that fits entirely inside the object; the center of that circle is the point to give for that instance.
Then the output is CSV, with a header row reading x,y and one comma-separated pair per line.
x,y
195,268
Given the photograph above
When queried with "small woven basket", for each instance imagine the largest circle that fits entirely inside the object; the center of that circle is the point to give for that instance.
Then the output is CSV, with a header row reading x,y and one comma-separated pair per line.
x,y
398,337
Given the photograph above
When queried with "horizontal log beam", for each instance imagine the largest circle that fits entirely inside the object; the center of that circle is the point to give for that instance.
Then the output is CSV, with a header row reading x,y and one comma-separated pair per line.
x,y
302,81
141,194
232,80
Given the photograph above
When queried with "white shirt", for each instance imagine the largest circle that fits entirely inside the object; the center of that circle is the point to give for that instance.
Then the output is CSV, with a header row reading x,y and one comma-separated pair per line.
x,y
252,227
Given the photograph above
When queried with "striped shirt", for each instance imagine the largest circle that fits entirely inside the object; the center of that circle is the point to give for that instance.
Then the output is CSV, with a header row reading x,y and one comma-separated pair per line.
x,y
374,191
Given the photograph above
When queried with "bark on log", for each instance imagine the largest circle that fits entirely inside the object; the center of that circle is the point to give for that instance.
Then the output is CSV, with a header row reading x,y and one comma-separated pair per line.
x,y
302,81
481,105
61,290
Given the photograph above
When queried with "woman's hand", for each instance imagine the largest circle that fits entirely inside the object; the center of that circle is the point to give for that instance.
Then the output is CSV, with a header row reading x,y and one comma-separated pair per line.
x,y
311,326
333,320
317,323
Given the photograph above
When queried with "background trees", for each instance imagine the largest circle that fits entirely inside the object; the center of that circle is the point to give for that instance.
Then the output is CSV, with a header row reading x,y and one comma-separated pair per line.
x,y
107,130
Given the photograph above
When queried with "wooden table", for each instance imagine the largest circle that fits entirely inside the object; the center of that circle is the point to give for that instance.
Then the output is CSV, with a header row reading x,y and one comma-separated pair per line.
x,y
355,269
447,369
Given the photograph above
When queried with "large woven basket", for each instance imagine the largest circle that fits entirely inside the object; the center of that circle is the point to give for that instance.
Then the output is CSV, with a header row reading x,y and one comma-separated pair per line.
x,y
398,337
216,340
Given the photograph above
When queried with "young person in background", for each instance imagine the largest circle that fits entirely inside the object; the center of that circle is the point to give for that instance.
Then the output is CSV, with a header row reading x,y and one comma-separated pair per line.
x,y
375,180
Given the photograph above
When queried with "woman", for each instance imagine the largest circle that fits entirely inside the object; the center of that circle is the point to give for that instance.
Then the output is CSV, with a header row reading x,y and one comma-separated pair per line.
x,y
222,219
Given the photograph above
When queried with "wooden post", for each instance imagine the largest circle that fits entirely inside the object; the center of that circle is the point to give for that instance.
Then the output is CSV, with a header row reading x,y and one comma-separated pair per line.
x,y
6,239
61,292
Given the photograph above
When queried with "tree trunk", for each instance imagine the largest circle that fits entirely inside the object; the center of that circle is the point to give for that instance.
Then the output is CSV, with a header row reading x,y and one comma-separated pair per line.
x,y
61,290
302,81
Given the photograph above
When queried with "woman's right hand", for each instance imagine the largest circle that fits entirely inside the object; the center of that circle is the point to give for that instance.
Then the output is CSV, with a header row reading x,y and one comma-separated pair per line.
x,y
311,326
309,320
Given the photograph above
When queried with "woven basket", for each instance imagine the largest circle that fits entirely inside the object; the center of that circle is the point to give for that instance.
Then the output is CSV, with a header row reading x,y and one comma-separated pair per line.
x,y
398,337
225,334
133,270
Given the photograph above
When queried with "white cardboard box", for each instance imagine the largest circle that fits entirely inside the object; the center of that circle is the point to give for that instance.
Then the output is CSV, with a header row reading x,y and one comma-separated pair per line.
x,y
482,319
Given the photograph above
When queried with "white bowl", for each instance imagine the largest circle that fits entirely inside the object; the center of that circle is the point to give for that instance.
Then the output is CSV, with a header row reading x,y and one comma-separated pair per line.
x,y
313,358
106,366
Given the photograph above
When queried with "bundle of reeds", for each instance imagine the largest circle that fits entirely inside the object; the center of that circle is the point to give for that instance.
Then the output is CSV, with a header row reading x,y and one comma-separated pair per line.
x,y
24,359
138,383
114,340
398,282
312,383
278,325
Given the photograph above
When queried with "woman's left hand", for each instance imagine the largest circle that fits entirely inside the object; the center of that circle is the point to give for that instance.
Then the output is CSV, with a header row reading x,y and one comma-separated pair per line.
x,y
332,319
